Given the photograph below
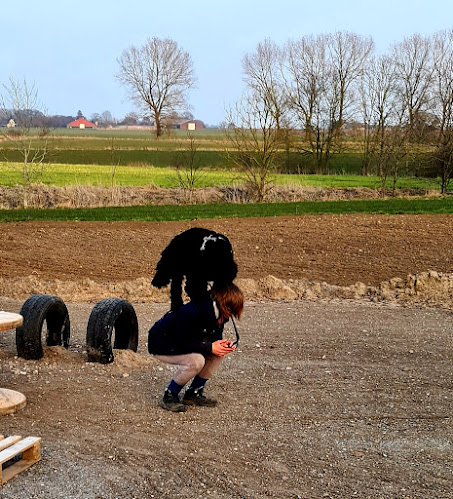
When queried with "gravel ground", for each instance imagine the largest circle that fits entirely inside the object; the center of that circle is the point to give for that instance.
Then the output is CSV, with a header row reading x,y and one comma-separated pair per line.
x,y
323,399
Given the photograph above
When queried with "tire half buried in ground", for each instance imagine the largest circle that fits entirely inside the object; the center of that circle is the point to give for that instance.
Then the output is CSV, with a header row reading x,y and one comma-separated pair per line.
x,y
35,311
108,315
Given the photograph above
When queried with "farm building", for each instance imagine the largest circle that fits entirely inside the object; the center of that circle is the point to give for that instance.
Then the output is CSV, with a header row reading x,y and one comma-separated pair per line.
x,y
191,125
81,123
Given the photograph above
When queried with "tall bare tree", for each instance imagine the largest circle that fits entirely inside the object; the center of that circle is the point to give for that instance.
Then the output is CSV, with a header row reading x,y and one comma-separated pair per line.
x,y
383,116
158,75
443,105
349,53
321,73
311,87
378,101
258,124
262,73
28,139
413,64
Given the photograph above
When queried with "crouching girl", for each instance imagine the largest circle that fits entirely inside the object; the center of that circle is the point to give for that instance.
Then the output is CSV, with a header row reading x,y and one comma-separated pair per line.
x,y
191,338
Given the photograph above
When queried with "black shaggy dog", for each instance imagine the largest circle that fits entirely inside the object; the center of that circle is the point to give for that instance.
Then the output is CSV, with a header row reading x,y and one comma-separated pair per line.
x,y
201,256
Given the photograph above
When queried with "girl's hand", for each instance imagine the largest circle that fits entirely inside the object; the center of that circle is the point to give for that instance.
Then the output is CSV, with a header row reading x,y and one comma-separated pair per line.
x,y
222,347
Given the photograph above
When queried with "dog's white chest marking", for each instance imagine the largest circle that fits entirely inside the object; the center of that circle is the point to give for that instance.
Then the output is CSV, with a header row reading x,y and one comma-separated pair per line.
x,y
209,238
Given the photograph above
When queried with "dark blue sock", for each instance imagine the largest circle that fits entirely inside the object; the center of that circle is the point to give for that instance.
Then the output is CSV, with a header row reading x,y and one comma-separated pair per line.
x,y
174,387
198,382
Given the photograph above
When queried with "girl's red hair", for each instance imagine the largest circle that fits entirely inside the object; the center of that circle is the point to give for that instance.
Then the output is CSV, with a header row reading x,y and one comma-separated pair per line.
x,y
230,301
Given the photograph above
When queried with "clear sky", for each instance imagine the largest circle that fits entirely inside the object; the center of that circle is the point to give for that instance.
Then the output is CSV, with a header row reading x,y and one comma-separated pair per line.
x,y
70,49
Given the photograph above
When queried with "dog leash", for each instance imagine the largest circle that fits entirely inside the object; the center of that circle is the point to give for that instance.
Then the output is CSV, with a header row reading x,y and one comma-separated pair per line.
x,y
235,343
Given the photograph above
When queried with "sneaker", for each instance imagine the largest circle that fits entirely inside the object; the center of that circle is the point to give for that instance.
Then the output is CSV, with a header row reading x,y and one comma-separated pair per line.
x,y
170,402
194,396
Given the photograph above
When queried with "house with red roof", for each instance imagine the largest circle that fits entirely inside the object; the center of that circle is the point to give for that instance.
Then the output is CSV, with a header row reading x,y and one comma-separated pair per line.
x,y
81,123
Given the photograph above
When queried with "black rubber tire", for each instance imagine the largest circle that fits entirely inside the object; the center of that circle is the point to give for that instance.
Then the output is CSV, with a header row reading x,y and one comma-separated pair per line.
x,y
36,310
108,315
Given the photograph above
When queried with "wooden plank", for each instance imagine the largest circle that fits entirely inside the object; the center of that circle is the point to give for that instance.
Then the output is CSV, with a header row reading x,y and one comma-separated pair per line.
x,y
29,447
9,441
17,448
33,453
15,469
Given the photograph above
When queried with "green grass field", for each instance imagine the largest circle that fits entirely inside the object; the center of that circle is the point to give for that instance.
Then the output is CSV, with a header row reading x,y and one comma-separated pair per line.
x,y
140,147
101,175
212,159
175,135
212,211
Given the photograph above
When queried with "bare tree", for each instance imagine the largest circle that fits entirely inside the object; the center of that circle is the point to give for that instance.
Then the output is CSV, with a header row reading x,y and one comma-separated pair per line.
x,y
443,105
262,73
28,139
258,124
378,94
413,65
158,75
107,119
188,168
349,54
253,143
383,115
95,118
104,119
321,74
311,85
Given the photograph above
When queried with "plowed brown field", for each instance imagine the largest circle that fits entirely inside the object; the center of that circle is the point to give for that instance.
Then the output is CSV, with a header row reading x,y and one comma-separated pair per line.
x,y
339,250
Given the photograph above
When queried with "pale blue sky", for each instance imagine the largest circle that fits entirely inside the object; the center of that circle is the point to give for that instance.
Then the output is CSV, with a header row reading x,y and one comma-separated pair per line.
x,y
70,49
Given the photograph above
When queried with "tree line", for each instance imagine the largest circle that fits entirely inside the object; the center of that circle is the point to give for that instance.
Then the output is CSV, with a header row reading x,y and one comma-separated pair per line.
x,y
317,93
306,98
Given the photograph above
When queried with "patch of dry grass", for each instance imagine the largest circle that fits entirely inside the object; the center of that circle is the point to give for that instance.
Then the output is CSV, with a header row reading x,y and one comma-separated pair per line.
x,y
82,196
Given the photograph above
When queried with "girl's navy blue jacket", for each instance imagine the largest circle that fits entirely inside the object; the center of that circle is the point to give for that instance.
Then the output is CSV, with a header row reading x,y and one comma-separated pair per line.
x,y
191,329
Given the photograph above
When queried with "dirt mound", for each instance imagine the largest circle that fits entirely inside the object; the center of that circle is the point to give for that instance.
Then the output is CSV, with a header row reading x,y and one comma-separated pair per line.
x,y
428,288
127,360
82,290
431,288
59,355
